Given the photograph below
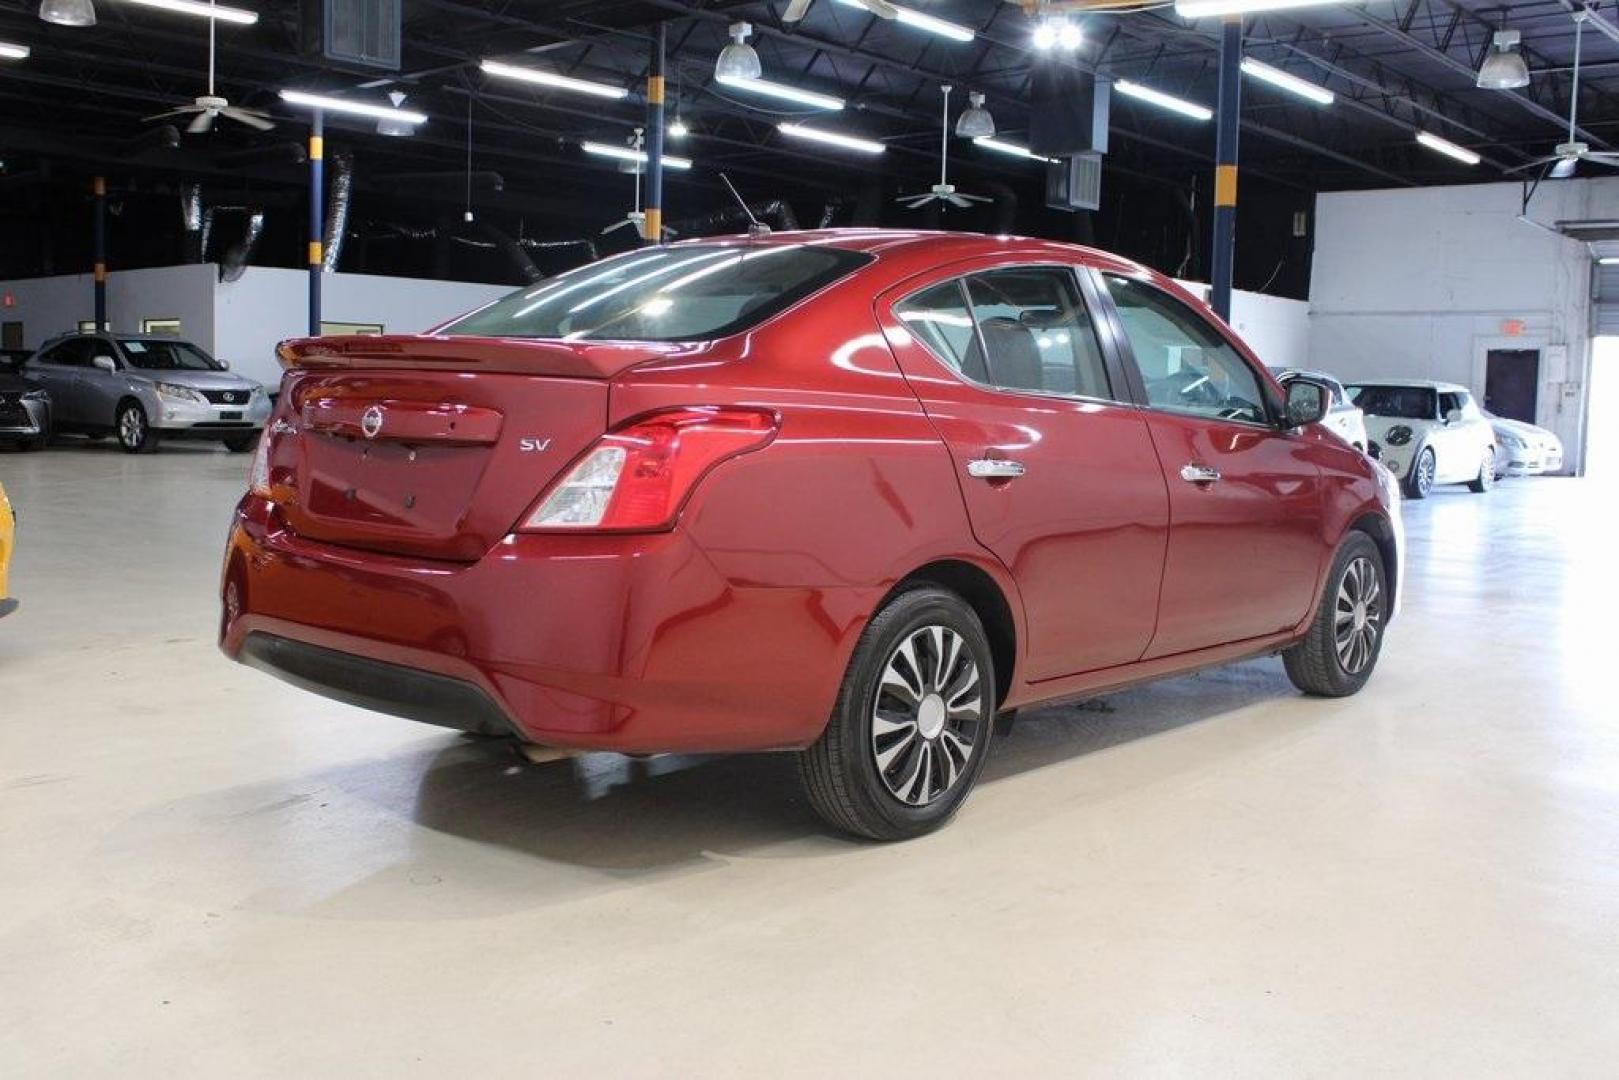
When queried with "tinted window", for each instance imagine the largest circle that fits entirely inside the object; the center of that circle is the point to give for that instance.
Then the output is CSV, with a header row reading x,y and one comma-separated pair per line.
x,y
664,294
1035,332
1403,402
74,352
167,355
940,319
1187,365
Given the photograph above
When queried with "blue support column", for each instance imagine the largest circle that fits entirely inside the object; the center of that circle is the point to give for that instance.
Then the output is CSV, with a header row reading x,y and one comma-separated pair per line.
x,y
317,195
653,230
1225,169
101,253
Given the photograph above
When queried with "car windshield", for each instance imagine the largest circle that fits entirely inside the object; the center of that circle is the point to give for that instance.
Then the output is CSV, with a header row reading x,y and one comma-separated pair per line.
x,y
1404,402
152,355
664,294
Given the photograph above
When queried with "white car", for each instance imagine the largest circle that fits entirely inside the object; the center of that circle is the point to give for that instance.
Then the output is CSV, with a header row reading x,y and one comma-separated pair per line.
x,y
1523,449
1428,433
1343,416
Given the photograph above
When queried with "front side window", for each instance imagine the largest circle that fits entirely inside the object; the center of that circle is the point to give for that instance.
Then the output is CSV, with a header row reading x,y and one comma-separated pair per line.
x,y
1187,365
685,293
1396,402
167,356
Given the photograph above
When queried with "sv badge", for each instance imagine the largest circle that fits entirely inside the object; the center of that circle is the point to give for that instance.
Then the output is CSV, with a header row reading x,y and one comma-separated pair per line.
x,y
532,446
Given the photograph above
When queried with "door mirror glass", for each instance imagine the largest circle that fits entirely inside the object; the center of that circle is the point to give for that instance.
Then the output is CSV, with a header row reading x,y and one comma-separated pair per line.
x,y
1306,402
224,365
1453,416
105,363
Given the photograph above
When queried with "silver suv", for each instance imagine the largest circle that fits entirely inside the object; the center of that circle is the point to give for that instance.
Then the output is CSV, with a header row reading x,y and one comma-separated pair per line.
x,y
143,388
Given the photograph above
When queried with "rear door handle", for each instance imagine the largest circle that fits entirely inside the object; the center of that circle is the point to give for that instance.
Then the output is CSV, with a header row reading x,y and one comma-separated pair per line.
x,y
995,469
1199,474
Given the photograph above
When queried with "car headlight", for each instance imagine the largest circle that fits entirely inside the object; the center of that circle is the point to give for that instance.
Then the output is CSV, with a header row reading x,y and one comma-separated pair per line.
x,y
1512,441
175,392
1398,435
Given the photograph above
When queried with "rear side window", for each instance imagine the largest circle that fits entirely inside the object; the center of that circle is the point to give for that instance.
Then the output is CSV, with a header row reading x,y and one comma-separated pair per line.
x,y
74,352
686,293
1015,329
1186,364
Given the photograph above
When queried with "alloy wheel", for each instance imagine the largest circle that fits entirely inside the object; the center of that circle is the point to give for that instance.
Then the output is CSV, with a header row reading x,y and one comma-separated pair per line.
x,y
131,426
1358,617
928,715
1425,472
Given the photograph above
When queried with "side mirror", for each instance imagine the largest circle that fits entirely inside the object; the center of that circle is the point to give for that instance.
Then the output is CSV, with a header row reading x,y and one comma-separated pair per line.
x,y
1306,402
1454,416
106,363
224,365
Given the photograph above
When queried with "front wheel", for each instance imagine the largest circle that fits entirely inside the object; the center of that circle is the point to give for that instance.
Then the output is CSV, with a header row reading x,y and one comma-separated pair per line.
x,y
1420,483
912,723
135,434
1337,655
241,444
1486,474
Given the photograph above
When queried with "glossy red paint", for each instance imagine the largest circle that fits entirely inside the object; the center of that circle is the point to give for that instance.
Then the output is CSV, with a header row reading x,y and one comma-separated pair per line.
x,y
732,629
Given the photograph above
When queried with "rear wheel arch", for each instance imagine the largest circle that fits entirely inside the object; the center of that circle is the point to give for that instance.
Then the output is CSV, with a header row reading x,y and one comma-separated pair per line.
x,y
987,599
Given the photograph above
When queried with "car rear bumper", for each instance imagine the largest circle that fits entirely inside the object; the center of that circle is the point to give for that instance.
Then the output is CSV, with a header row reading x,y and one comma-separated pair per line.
x,y
632,643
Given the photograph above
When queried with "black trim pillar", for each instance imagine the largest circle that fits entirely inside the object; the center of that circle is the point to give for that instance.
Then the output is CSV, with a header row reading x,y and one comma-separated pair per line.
x,y
100,269
317,195
1225,169
652,231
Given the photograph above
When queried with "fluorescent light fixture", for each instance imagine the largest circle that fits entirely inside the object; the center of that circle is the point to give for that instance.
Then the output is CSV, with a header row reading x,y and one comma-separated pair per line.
x,y
205,11
779,90
357,108
1057,33
1292,84
1448,148
911,17
1009,148
1197,9
9,51
551,79
831,138
678,129
1609,260
67,12
1163,100
625,153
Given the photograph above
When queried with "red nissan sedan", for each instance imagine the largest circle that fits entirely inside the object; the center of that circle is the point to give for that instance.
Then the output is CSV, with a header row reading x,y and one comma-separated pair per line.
x,y
848,493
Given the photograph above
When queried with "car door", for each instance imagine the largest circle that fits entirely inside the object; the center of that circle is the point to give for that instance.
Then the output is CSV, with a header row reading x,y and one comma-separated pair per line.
x,y
57,369
101,390
1245,501
1466,437
1057,473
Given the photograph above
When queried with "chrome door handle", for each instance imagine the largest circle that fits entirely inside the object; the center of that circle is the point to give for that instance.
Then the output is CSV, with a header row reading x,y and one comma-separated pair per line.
x,y
1199,474
995,469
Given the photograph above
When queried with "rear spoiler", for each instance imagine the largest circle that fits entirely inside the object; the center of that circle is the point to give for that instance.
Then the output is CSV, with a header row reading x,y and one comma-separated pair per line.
x,y
443,352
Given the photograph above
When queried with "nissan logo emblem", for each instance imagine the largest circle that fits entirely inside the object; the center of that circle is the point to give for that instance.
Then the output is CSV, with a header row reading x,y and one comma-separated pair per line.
x,y
371,421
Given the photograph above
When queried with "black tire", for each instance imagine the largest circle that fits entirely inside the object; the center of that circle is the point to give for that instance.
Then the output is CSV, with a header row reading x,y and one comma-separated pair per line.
x,y
1486,475
1317,664
135,434
1419,482
241,444
841,773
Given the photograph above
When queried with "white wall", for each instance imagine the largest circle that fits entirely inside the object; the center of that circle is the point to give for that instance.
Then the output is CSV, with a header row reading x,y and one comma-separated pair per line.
x,y
267,305
1421,283
1275,328
55,305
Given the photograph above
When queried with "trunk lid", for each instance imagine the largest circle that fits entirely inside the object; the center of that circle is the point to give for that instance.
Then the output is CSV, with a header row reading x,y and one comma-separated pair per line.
x,y
432,446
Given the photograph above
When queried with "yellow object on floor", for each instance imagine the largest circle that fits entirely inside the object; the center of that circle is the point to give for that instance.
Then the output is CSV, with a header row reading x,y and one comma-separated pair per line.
x,y
8,533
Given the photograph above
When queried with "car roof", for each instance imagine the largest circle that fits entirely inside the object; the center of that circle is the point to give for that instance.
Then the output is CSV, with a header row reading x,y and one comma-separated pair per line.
x,y
1419,384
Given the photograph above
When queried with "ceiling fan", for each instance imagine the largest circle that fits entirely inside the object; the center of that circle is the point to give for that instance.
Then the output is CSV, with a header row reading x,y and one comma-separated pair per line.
x,y
636,216
944,191
1566,156
210,105
880,8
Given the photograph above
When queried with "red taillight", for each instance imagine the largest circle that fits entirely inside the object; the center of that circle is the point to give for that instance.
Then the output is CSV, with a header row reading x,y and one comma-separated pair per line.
x,y
636,478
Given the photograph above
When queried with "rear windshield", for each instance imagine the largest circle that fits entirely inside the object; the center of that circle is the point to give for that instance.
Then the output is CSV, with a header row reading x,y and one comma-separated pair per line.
x,y
167,355
1405,402
687,293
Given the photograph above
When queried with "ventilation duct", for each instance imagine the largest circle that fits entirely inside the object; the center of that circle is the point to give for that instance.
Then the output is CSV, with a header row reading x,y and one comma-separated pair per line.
x,y
340,196
191,242
234,259
776,213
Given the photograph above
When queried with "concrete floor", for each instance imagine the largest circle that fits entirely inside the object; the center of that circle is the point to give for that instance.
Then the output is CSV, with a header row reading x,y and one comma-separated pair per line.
x,y
205,872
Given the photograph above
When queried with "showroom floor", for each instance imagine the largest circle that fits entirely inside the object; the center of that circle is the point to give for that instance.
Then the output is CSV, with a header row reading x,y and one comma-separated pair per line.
x,y
203,871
